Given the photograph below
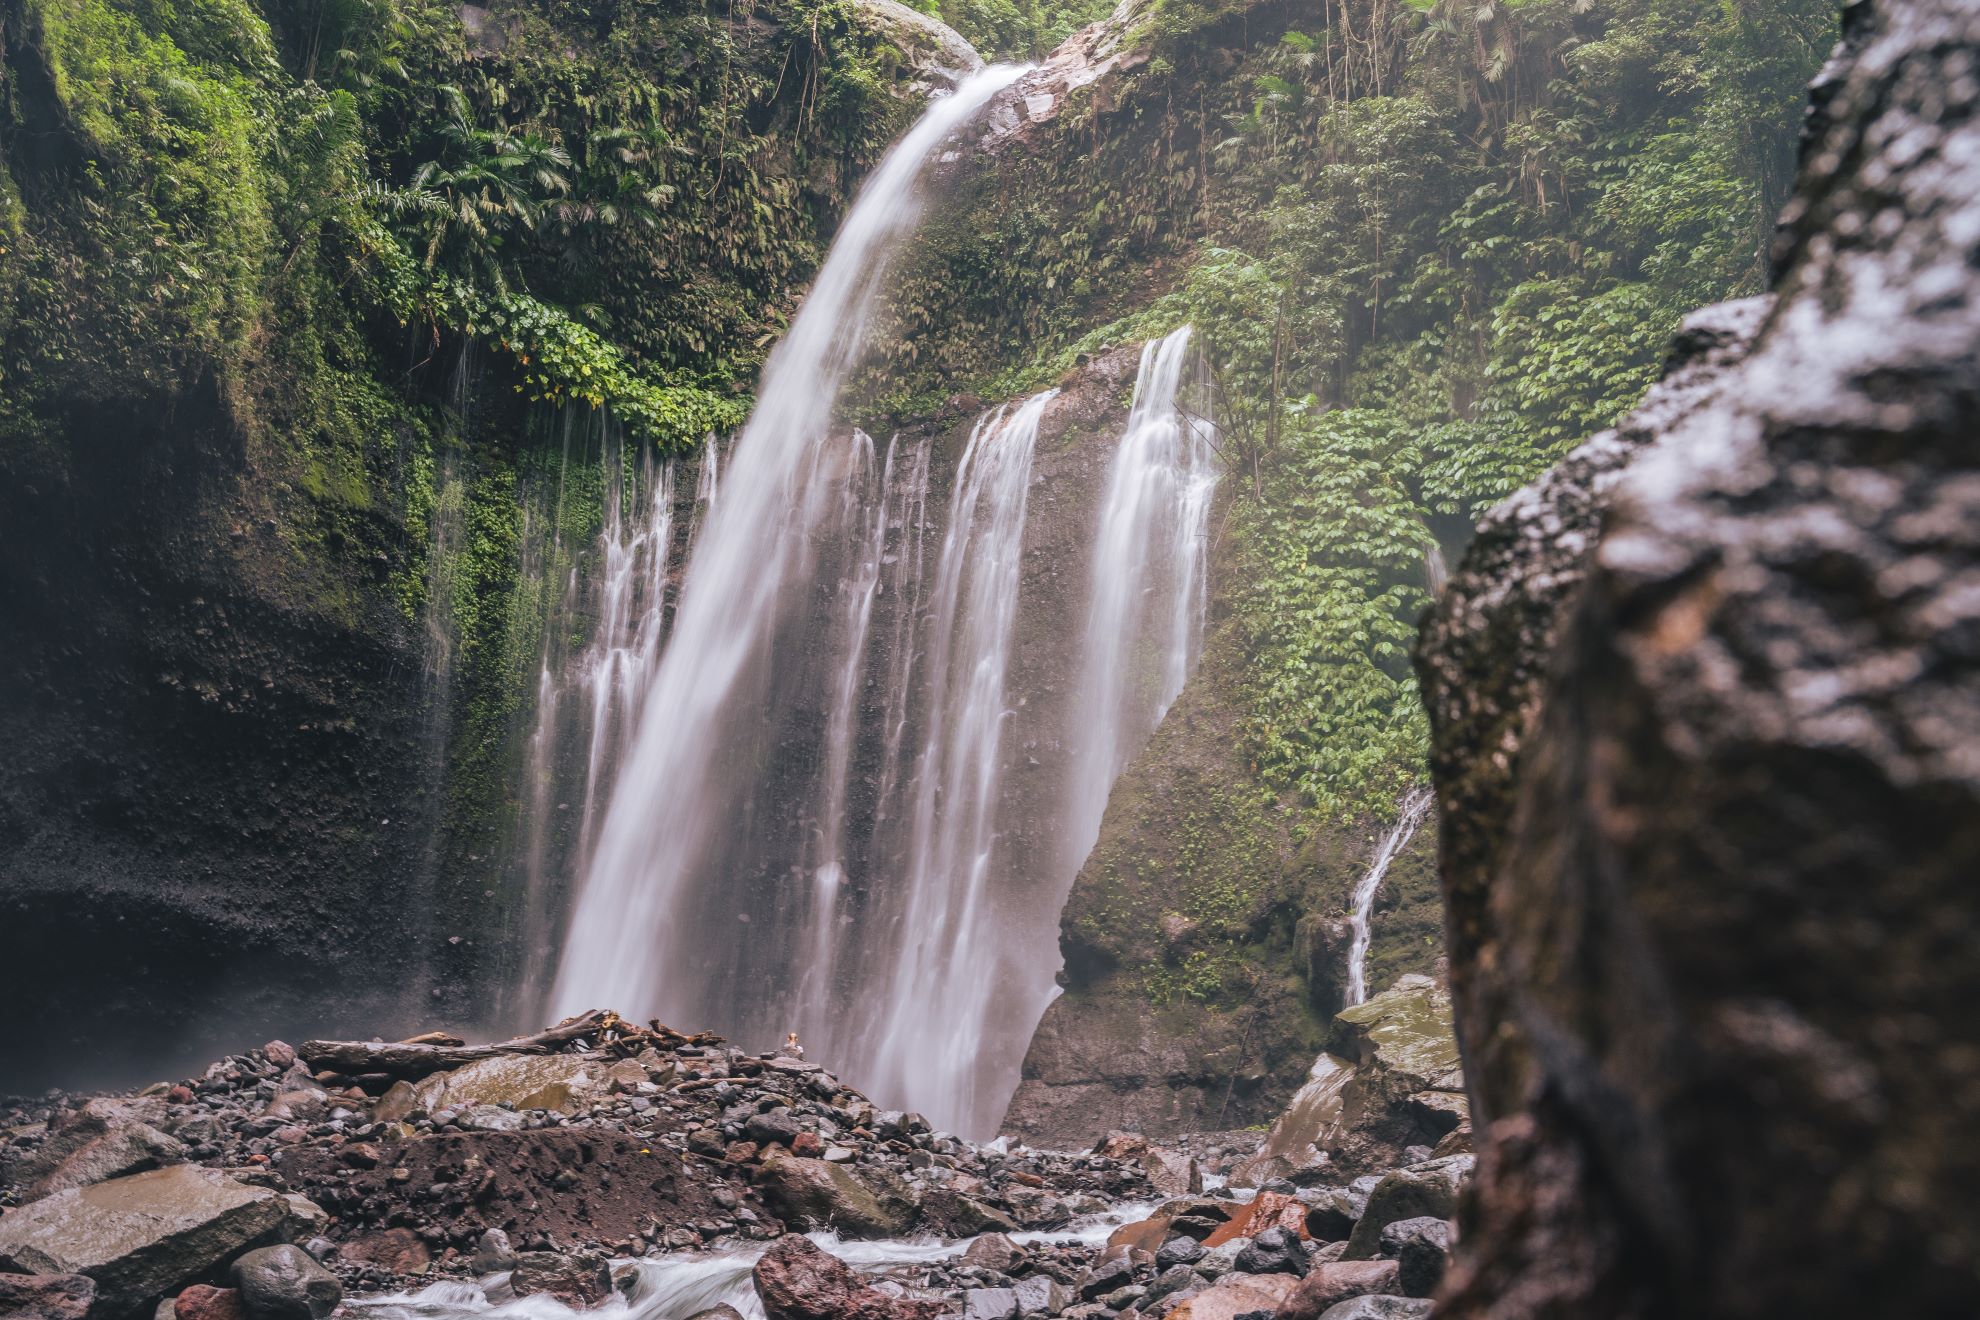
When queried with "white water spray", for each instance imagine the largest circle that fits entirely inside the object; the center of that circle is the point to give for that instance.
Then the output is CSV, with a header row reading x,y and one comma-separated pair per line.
x,y
1415,807
949,964
695,760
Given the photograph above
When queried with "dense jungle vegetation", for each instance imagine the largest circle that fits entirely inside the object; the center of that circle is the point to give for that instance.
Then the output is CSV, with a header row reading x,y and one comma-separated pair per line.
x,y
1431,244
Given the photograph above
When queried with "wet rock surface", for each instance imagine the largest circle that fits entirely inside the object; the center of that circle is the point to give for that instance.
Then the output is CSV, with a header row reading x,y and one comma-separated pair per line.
x,y
1706,763
649,1148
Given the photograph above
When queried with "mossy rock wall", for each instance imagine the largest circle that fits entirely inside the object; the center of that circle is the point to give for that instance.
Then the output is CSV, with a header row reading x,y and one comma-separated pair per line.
x,y
1204,938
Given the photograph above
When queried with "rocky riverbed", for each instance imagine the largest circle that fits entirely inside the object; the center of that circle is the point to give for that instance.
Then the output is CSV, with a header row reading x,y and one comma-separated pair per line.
x,y
658,1174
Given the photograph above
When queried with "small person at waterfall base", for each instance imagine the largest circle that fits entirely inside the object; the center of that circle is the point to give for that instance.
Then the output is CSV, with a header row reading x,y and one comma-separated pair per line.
x,y
793,1050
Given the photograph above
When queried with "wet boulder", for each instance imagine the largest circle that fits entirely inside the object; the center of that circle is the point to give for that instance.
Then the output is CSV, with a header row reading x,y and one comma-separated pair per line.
x,y
989,1304
1429,1189
1179,1250
1379,1308
1420,1248
867,1204
202,1301
1041,1295
1333,1282
575,1280
1237,1294
1275,1251
796,1280
283,1282
140,1236
559,1082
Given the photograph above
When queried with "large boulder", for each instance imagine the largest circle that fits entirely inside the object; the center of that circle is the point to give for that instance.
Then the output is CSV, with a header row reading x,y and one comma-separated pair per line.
x,y
1379,1308
819,1192
283,1282
1235,1295
522,1081
1704,739
1335,1281
1394,1080
1427,1190
796,1280
936,52
141,1236
102,1138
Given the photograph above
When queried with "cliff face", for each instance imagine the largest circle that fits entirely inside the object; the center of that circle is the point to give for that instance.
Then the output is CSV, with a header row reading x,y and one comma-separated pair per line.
x,y
1704,733
1205,939
218,794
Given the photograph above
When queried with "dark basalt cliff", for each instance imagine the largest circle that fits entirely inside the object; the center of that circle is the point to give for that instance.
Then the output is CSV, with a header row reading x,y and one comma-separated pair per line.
x,y
219,785
1705,735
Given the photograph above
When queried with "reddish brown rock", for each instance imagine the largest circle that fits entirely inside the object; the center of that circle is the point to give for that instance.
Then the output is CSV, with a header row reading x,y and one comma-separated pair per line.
x,y
46,1296
399,1250
1336,1281
807,1144
1235,1295
203,1302
578,1281
1268,1210
798,1281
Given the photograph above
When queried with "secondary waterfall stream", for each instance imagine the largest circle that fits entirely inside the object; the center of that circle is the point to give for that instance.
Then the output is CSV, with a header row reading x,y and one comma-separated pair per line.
x,y
1415,806
812,820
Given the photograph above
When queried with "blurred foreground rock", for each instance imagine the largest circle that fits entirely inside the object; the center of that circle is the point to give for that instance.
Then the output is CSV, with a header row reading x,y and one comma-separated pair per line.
x,y
1706,703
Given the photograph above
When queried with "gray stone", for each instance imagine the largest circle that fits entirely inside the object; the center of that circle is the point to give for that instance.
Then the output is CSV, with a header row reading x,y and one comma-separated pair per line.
x,y
779,1127
1420,1248
493,1253
990,1304
140,1236
1221,1259
284,1283
1041,1295
719,1311
123,1149
1179,1250
1422,1189
1379,1308
1274,1251
489,1118
993,1251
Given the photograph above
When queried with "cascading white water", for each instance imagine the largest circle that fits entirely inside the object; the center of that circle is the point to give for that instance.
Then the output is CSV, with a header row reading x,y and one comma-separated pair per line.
x,y
1415,806
948,966
587,700
639,937
1145,622
683,1284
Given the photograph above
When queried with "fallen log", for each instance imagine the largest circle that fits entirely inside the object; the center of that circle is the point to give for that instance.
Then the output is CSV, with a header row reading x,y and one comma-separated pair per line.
x,y
405,1059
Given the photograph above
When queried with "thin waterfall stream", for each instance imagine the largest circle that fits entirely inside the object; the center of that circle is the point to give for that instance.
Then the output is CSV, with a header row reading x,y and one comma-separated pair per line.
x,y
1415,808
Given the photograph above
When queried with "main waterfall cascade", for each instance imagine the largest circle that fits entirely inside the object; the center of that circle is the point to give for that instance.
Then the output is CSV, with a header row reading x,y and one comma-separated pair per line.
x,y
692,768
813,825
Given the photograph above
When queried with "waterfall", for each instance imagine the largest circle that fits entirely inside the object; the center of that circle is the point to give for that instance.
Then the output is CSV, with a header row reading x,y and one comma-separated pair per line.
x,y
643,936
1145,621
948,965
1415,807
619,597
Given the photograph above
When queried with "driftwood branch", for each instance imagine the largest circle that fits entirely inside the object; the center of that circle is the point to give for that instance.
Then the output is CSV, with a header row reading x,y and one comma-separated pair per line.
x,y
409,1059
